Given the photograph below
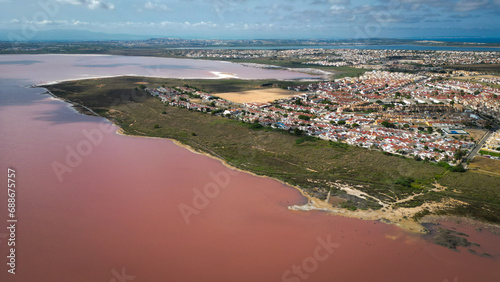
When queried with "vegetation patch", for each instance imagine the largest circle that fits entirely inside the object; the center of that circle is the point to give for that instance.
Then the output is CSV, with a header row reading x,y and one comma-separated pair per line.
x,y
493,154
451,239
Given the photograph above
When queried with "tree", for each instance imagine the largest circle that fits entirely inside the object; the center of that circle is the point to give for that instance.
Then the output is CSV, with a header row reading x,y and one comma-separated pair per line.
x,y
298,132
303,117
388,124
459,154
256,126
430,130
444,164
457,168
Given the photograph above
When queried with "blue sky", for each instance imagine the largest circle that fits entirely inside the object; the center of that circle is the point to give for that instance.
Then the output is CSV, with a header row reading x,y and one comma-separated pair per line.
x,y
233,19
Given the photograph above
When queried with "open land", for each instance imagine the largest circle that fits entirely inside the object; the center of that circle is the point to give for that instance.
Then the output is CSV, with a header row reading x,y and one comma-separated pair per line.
x,y
476,133
485,165
490,68
257,96
371,184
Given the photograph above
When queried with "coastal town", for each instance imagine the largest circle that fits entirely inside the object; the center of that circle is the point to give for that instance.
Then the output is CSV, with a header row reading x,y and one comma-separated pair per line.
x,y
236,140
421,116
385,59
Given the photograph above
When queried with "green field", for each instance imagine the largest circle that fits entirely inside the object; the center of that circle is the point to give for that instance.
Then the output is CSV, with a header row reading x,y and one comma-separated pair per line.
x,y
483,152
306,162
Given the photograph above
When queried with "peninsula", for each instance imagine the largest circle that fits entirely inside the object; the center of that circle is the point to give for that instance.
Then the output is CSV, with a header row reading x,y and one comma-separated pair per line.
x,y
336,177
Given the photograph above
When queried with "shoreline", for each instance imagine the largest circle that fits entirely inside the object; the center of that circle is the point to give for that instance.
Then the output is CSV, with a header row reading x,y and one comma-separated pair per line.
x,y
391,217
216,74
41,85
401,217
313,204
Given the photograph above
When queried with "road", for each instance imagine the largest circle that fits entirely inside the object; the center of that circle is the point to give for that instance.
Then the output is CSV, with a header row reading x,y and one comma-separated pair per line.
x,y
478,146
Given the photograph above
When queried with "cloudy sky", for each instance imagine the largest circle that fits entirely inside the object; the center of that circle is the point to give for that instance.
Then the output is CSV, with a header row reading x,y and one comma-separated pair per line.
x,y
232,19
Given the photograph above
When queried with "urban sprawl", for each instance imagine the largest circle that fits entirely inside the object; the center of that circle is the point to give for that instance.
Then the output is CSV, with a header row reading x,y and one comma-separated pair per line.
x,y
423,115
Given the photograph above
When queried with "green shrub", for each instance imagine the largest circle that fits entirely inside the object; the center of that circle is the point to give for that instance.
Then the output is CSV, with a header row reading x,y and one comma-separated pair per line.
x,y
256,126
404,181
457,168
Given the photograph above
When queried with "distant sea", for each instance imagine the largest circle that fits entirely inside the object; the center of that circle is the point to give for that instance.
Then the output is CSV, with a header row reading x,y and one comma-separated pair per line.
x,y
369,47
463,39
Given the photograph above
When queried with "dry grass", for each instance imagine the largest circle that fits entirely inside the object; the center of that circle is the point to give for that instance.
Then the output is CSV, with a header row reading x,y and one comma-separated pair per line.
x,y
485,165
473,77
477,134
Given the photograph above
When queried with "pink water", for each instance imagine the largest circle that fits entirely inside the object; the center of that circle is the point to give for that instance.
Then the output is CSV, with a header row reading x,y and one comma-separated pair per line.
x,y
116,216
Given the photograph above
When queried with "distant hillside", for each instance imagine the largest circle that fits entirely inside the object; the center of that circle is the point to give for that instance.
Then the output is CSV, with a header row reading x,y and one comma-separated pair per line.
x,y
67,34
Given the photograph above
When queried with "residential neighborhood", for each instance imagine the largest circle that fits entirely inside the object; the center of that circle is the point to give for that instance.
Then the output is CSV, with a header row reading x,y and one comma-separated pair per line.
x,y
412,115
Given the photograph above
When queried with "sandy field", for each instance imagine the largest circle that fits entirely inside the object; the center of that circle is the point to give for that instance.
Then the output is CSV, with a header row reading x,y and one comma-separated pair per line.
x,y
477,134
474,77
257,96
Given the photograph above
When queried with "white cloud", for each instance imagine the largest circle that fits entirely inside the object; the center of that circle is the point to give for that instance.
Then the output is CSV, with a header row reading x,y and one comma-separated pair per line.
x,y
76,22
47,22
156,6
340,2
91,4
337,9
465,6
